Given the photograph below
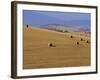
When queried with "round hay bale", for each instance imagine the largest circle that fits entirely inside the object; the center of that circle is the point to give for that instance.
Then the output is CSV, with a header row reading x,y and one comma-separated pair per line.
x,y
50,45
77,43
27,26
71,36
87,41
81,39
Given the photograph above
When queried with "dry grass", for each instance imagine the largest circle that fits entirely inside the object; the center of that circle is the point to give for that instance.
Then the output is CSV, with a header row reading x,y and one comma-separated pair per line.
x,y
66,53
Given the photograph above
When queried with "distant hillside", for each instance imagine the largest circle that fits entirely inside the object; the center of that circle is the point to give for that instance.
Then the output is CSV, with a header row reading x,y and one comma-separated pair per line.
x,y
62,28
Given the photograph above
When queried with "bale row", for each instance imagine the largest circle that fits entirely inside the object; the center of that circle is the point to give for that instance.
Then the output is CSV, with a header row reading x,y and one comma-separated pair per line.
x,y
80,40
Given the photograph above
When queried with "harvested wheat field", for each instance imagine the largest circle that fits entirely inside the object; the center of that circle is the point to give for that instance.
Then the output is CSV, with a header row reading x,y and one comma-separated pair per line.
x,y
65,51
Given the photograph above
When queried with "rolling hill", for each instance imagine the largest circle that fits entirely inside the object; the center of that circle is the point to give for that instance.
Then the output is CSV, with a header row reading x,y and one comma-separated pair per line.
x,y
65,53
67,28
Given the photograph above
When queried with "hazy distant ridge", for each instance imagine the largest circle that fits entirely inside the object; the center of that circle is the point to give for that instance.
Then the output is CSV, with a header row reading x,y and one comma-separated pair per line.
x,y
67,28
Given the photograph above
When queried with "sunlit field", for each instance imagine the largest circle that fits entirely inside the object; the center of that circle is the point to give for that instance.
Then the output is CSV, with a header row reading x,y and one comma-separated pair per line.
x,y
66,51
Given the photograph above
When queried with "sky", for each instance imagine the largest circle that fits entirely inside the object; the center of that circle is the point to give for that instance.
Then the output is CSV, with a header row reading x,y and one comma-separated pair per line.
x,y
40,18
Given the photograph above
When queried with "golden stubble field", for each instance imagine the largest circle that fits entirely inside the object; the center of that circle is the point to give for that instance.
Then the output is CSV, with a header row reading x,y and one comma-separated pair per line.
x,y
65,53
